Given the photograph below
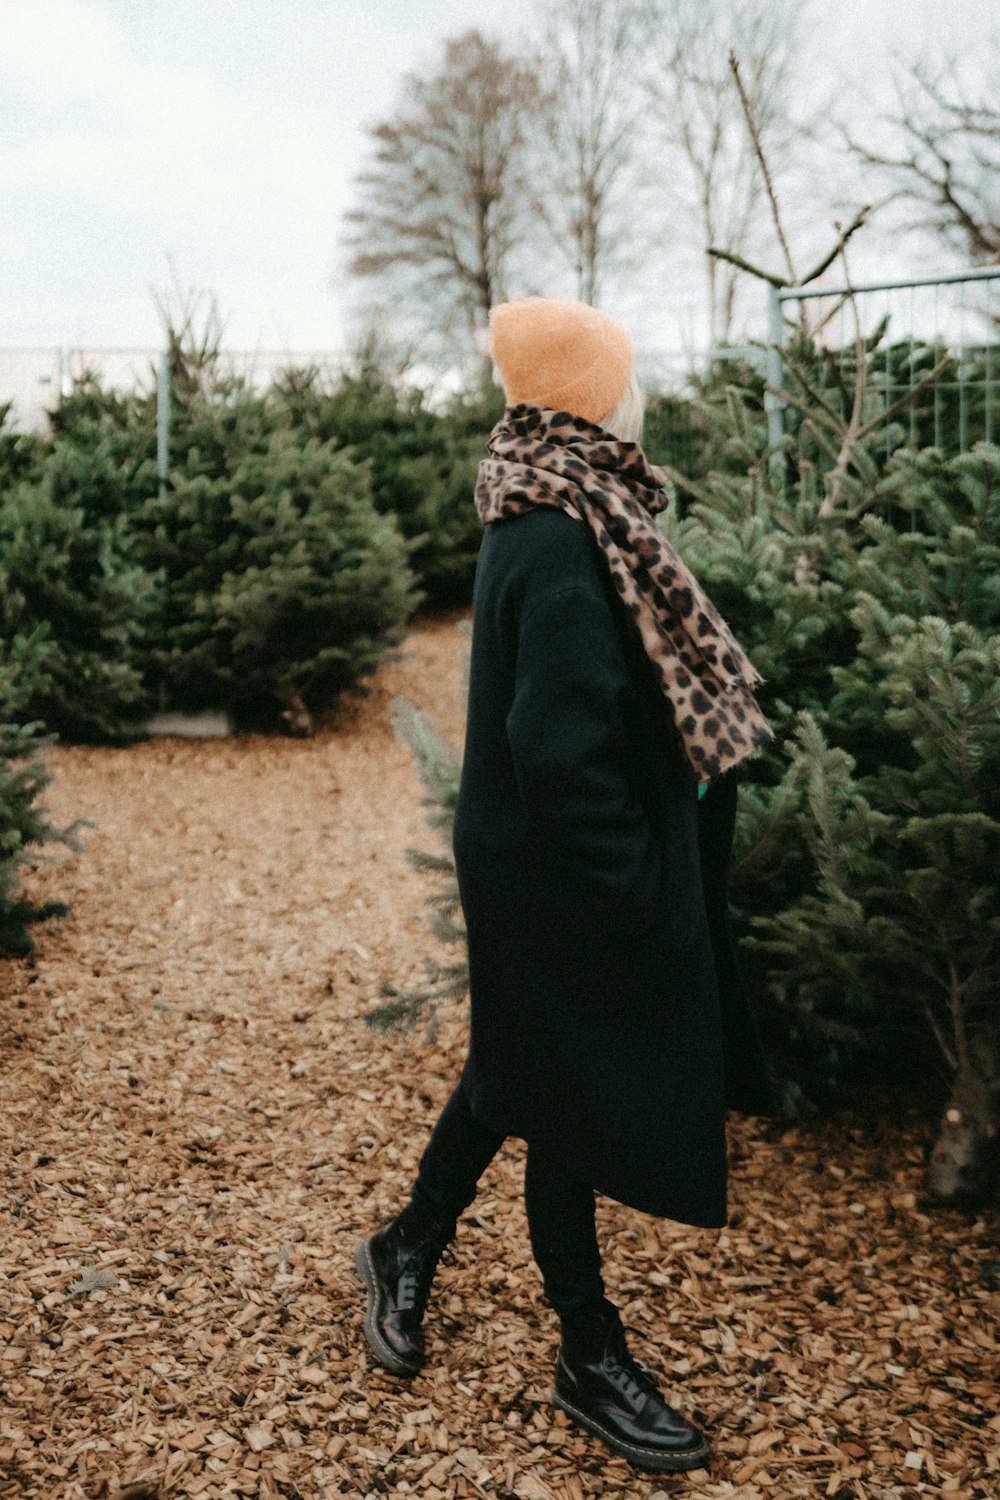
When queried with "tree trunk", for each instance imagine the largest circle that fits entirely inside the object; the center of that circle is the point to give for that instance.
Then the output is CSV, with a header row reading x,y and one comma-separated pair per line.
x,y
965,1161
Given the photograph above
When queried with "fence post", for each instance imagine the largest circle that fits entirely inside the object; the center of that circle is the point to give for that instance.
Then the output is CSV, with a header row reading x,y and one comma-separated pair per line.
x,y
773,404
163,423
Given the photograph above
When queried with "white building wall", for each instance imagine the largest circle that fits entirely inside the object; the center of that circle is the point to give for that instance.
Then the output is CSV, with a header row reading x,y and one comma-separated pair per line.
x,y
32,378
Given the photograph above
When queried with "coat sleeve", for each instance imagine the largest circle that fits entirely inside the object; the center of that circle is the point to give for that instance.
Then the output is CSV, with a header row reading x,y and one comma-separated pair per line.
x,y
571,759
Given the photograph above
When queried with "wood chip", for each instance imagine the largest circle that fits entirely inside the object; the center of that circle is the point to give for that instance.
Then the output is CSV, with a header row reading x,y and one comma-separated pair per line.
x,y
259,1436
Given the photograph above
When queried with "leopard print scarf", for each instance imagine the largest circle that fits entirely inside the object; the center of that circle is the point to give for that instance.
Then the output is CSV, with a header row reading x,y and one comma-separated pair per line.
x,y
551,458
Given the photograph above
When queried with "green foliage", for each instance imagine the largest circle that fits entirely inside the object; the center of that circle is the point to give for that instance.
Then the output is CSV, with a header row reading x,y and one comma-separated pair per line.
x,y
928,623
72,605
438,765
422,463
802,859
439,768
23,825
263,581
21,453
102,457
865,588
28,658
672,433
685,433
74,600
862,575
279,582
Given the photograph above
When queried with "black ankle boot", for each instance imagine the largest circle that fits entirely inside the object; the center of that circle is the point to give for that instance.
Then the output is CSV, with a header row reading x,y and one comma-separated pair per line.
x,y
600,1386
397,1265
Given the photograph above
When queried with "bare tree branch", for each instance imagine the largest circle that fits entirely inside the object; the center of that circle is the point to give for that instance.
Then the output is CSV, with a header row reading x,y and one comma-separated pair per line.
x,y
843,236
748,115
746,265
946,163
849,440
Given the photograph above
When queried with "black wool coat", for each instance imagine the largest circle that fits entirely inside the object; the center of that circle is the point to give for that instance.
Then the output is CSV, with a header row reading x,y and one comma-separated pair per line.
x,y
606,1010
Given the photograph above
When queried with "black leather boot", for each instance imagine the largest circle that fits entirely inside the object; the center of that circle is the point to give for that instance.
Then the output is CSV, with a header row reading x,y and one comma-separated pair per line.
x,y
397,1265
600,1386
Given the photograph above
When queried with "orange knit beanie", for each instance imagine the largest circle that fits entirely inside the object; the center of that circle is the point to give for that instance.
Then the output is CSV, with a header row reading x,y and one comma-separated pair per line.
x,y
562,355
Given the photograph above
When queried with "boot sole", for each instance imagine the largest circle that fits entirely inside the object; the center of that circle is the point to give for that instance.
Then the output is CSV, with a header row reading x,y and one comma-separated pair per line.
x,y
386,1356
651,1459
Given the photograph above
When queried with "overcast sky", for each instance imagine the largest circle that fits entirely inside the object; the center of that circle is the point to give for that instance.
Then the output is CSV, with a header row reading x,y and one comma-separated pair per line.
x,y
221,137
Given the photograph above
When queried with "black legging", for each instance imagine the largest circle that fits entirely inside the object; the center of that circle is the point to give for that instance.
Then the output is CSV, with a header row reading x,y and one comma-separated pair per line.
x,y
560,1209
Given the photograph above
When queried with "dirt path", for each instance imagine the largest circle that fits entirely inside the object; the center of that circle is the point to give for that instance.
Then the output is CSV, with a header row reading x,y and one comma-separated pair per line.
x,y
196,1127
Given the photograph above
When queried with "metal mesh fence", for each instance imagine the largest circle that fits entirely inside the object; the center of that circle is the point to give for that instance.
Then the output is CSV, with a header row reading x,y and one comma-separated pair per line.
x,y
951,323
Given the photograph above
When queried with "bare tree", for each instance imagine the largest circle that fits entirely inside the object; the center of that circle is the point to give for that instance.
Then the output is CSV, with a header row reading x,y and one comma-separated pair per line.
x,y
945,162
593,118
713,177
443,202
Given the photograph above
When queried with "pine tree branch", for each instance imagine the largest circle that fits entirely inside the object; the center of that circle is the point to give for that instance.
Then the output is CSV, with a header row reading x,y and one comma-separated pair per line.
x,y
947,1052
924,583
768,836
802,376
683,482
928,378
830,419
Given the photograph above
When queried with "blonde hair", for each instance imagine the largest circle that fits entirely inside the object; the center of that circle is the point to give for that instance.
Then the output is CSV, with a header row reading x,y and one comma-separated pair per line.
x,y
625,422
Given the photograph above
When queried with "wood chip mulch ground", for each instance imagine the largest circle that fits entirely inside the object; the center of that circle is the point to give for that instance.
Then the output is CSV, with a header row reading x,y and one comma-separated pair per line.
x,y
196,1127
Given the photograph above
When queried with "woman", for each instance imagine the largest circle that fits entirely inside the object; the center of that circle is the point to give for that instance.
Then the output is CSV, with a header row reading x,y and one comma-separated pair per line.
x,y
604,689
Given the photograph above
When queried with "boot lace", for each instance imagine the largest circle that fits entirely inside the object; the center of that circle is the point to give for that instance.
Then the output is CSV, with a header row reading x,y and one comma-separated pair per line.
x,y
626,1374
414,1284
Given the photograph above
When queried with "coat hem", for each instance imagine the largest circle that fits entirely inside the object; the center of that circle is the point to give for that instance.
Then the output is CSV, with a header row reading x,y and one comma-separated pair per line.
x,y
642,1202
